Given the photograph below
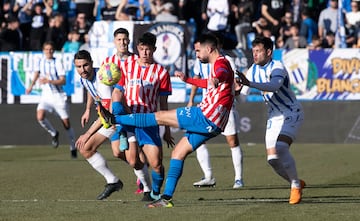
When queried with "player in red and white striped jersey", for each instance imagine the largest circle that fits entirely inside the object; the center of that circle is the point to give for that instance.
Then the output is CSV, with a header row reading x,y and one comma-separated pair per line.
x,y
146,86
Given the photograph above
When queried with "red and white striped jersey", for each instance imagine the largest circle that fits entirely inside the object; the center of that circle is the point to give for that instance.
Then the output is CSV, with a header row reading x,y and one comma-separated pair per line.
x,y
143,86
218,101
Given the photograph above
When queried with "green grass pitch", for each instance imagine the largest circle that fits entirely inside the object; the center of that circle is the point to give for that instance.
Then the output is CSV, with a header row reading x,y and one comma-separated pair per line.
x,y
42,183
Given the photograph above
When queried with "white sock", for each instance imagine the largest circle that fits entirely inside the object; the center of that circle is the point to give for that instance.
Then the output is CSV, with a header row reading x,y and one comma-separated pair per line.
x,y
143,176
288,162
237,158
98,162
203,157
47,126
71,135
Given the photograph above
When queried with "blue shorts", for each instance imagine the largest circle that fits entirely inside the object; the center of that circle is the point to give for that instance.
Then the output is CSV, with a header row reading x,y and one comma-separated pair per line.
x,y
148,135
198,128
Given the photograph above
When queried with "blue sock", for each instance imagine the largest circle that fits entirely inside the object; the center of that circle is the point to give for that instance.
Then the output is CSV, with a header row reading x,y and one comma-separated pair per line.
x,y
157,181
118,108
173,176
137,120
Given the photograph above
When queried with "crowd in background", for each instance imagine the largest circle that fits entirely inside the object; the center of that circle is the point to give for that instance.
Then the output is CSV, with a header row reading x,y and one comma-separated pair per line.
x,y
313,24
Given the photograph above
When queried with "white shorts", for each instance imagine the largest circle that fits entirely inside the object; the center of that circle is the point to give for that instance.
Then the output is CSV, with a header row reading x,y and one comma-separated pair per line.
x,y
287,124
109,132
56,103
233,125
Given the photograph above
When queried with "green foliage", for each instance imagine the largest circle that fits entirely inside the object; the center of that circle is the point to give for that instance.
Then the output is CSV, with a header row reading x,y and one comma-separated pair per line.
x,y
42,183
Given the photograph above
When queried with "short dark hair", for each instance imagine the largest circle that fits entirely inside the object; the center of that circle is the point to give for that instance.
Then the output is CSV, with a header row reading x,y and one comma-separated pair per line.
x,y
148,39
267,42
209,38
121,31
83,54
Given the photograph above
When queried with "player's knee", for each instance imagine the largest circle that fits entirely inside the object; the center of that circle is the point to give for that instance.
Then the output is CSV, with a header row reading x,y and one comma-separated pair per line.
x,y
273,161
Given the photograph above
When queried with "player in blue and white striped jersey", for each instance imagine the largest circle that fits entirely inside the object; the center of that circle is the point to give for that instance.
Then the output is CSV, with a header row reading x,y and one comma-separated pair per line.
x,y
285,113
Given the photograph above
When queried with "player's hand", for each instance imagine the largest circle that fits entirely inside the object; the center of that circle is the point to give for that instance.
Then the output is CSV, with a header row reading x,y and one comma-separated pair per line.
x,y
180,75
168,138
242,79
81,141
85,118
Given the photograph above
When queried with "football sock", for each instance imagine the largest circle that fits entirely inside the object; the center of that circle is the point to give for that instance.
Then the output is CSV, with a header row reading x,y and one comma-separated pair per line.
x,y
158,179
98,162
237,159
287,161
203,157
137,120
71,135
175,172
143,176
45,123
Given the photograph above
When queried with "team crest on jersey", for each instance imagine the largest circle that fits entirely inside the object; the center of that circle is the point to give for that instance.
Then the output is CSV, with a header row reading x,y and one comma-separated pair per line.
x,y
170,38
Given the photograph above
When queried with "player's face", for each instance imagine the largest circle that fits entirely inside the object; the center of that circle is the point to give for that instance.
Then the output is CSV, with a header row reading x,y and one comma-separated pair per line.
x,y
48,51
84,68
201,52
261,55
145,53
121,42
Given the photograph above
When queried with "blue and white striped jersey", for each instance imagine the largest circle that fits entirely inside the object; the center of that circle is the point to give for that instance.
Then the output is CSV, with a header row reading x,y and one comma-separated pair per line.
x,y
278,99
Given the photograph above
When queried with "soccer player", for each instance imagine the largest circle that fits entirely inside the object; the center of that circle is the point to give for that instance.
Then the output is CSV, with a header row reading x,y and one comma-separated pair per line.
x,y
201,123
202,70
90,141
285,113
146,86
51,75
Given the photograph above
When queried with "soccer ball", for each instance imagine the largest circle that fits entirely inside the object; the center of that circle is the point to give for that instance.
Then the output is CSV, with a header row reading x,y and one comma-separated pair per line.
x,y
109,73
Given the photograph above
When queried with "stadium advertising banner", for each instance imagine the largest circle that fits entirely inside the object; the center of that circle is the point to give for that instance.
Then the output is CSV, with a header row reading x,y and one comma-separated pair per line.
x,y
20,72
329,74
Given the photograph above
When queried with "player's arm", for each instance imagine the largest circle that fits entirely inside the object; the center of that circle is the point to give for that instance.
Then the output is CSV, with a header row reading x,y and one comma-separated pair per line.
x,y
86,115
60,81
36,77
203,83
276,81
193,92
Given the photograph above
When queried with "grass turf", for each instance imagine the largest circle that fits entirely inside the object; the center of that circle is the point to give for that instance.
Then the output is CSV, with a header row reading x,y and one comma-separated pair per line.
x,y
42,183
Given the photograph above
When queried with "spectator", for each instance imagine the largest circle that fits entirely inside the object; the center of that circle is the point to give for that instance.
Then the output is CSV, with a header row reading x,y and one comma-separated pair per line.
x,y
109,11
261,25
295,41
11,36
86,46
243,12
217,13
308,27
25,19
286,24
72,44
81,25
132,10
38,25
166,14
156,7
55,33
329,40
328,20
315,44
86,7
274,11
